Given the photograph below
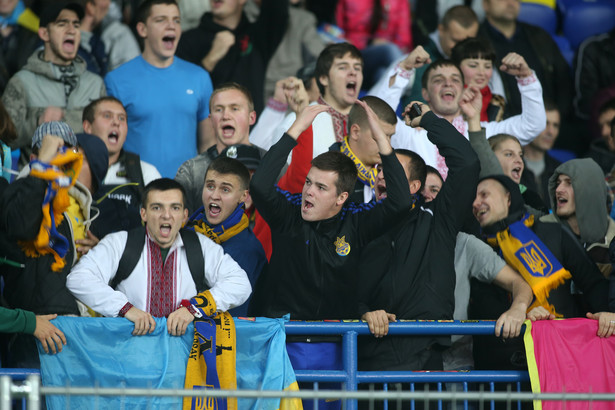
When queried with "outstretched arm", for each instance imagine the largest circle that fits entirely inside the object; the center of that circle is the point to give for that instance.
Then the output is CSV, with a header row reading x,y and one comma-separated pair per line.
x,y
510,322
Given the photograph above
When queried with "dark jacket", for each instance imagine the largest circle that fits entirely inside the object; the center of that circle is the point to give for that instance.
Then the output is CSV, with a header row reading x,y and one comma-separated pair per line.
x,y
16,49
410,270
312,272
542,55
247,59
35,287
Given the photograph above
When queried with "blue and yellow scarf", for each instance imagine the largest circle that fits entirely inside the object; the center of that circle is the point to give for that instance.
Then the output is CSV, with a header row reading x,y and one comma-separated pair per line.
x,y
525,252
212,360
231,226
61,174
367,176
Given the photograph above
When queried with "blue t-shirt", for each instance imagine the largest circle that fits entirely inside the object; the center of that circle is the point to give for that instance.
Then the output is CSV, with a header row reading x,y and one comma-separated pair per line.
x,y
164,107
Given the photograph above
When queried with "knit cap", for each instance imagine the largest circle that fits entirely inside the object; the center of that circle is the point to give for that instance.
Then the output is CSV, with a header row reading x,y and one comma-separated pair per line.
x,y
56,128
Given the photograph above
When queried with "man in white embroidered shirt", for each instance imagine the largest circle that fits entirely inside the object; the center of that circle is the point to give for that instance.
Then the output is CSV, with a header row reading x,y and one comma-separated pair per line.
x,y
162,280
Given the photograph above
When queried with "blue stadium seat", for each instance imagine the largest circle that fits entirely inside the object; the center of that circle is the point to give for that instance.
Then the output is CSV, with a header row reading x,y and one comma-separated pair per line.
x,y
584,20
539,15
564,5
564,47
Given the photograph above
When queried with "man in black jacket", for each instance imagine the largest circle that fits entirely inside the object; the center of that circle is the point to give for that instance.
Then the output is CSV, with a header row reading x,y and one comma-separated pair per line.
x,y
409,273
318,235
231,48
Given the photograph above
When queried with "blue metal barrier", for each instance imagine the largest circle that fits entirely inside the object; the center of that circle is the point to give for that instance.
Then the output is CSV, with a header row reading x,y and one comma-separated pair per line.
x,y
351,377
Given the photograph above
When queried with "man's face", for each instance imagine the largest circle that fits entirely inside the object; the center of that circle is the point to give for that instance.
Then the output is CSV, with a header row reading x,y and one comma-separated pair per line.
x,y
109,125
231,118
476,72
565,206
221,9
546,139
502,10
7,7
510,155
98,9
221,195
366,148
164,214
453,34
491,203
343,83
161,31
319,198
604,121
433,185
444,90
381,184
61,38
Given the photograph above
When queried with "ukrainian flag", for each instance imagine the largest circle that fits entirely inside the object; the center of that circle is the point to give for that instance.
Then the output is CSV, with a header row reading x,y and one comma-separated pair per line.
x,y
102,352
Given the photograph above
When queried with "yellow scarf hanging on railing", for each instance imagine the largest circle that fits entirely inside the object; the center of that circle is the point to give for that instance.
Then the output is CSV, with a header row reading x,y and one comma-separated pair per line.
x,y
526,253
61,173
211,364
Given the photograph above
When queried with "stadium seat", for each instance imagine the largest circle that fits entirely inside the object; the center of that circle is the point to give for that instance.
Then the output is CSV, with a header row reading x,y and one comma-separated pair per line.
x,y
539,15
564,5
587,19
564,47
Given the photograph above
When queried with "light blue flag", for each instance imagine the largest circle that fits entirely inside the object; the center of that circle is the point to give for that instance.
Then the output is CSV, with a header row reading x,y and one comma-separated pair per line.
x,y
102,352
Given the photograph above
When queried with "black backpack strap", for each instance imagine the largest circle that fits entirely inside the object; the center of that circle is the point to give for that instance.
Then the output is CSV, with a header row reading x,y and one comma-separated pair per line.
x,y
131,255
132,164
196,262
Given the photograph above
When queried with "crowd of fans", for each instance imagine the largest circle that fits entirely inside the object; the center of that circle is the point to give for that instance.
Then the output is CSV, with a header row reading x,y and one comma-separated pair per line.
x,y
240,141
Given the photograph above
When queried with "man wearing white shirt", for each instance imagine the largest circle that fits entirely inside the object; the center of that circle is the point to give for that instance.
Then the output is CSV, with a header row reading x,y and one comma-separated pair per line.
x,y
161,283
443,90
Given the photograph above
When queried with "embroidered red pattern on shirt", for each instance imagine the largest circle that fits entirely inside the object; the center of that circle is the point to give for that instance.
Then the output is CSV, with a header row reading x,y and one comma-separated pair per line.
x,y
161,280
339,121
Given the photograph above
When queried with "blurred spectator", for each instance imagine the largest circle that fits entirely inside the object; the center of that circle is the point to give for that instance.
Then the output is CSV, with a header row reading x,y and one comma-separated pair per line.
x,y
232,49
54,85
507,35
603,150
118,43
299,47
18,38
593,70
538,161
476,59
166,98
381,29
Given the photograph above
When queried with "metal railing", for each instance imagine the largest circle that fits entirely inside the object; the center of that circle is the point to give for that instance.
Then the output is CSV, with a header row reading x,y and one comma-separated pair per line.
x,y
349,376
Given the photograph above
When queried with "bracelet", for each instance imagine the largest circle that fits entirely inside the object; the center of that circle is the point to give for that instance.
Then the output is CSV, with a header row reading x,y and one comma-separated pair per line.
x,y
194,311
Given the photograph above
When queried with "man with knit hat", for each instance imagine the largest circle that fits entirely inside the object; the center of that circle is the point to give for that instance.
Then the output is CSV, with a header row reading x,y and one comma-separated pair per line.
x,y
54,85
578,197
47,214
545,254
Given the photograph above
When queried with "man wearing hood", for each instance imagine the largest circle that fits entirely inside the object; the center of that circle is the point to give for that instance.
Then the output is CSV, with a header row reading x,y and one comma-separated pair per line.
x,y
545,254
578,195
54,85
232,48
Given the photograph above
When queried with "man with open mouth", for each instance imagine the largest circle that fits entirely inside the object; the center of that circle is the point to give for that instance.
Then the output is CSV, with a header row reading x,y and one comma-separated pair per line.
x,y
166,98
54,85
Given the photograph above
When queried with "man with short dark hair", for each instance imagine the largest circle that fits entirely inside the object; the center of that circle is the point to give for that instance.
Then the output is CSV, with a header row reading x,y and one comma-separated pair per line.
x,y
54,85
166,98
222,216
318,234
119,196
161,283
231,111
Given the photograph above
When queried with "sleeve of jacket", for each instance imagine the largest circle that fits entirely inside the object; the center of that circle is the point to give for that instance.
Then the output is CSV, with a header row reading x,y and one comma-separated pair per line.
x,y
271,25
16,104
21,207
274,206
533,118
489,163
459,189
586,76
17,321
585,273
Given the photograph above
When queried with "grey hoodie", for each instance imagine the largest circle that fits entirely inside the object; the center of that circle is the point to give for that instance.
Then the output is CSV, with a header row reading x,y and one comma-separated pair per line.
x,y
590,195
38,86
